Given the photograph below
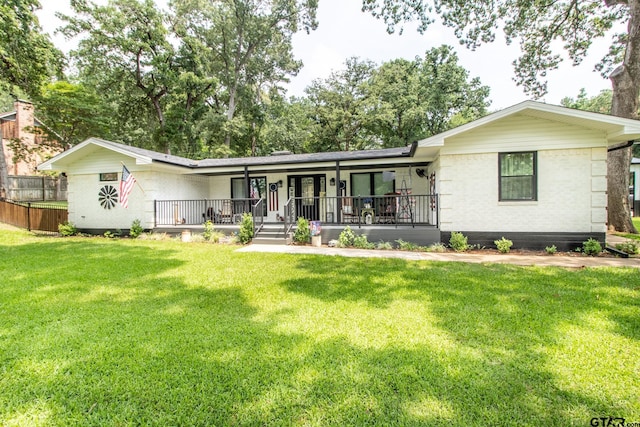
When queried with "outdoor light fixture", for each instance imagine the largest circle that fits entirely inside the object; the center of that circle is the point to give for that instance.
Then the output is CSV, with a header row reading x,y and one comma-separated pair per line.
x,y
332,182
280,184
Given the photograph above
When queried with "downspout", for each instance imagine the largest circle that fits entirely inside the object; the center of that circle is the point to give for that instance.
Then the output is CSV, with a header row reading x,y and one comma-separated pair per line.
x,y
338,193
414,147
247,190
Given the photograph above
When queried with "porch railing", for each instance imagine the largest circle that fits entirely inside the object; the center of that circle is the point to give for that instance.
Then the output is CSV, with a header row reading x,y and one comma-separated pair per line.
x,y
289,216
396,209
258,219
196,212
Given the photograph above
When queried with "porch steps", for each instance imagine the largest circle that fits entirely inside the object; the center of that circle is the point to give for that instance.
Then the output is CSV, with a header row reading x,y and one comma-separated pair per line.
x,y
271,234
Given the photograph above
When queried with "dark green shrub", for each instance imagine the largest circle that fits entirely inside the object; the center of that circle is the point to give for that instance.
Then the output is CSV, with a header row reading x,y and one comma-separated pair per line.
x,y
67,229
303,231
458,242
503,245
361,242
208,230
407,246
246,229
384,246
136,229
437,247
591,247
346,238
628,248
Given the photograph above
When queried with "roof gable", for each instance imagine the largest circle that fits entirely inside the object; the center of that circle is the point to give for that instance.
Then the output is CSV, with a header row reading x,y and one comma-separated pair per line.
x,y
616,129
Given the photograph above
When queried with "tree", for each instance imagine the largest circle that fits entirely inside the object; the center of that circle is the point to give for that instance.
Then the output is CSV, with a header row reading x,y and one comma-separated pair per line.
x,y
420,98
600,103
125,51
246,44
71,113
287,126
340,109
27,58
541,28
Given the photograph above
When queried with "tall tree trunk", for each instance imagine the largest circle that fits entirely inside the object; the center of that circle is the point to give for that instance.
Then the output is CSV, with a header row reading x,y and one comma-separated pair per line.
x,y
230,113
626,89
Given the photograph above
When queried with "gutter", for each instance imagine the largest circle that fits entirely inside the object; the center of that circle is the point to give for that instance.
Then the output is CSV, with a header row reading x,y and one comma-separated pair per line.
x,y
621,146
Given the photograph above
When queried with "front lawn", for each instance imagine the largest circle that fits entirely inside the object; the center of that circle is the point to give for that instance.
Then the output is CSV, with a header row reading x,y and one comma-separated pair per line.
x,y
129,332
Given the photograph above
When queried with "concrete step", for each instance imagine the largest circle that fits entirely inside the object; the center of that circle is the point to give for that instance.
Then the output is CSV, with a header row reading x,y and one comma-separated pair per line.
x,y
260,240
271,234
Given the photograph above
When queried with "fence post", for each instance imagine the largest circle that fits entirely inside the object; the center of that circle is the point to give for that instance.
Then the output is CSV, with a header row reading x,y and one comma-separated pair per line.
x,y
28,216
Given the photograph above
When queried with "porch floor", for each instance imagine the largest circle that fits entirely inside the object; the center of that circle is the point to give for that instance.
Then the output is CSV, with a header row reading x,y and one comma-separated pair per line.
x,y
421,234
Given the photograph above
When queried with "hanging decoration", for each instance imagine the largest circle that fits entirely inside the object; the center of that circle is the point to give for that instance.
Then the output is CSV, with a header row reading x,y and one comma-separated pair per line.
x,y
108,197
432,190
273,196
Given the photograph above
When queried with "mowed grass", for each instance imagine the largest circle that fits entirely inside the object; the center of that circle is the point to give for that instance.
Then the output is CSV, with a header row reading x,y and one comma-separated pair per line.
x,y
128,332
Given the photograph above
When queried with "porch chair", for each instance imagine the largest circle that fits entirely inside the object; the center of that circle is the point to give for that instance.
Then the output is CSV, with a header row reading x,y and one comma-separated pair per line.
x,y
388,208
349,213
226,213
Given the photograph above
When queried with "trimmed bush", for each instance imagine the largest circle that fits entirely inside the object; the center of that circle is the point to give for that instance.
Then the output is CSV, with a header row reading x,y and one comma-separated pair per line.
x,y
407,246
503,245
361,242
303,231
136,229
346,238
458,242
246,229
67,229
591,247
628,247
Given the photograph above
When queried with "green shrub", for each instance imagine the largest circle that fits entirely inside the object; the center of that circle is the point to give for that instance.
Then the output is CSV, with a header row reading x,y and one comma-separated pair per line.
x,y
113,234
208,230
361,242
136,229
437,247
303,231
458,242
628,247
384,246
346,238
591,247
67,229
550,250
407,246
503,245
246,228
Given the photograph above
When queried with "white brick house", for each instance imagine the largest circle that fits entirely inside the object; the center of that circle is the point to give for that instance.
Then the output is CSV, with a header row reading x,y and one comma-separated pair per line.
x,y
533,173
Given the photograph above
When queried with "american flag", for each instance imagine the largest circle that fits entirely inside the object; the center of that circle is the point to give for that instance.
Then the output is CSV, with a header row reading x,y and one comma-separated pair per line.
x,y
126,185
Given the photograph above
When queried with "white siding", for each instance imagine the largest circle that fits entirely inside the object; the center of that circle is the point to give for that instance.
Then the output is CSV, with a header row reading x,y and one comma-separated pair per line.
x,y
153,182
523,133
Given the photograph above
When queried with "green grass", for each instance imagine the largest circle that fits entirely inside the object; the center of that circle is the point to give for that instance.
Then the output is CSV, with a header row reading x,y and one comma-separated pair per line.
x,y
97,331
636,223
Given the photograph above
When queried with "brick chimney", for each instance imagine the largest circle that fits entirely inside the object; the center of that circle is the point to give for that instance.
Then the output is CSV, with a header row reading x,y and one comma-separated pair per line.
x,y
24,119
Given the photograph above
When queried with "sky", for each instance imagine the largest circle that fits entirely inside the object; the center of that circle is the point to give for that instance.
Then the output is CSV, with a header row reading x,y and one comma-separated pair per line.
x,y
345,31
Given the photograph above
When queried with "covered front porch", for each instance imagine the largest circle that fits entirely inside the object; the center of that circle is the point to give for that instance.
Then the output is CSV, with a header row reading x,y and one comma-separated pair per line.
x,y
390,217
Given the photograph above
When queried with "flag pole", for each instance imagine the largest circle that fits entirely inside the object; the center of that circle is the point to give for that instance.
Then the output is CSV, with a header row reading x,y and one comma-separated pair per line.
x,y
141,189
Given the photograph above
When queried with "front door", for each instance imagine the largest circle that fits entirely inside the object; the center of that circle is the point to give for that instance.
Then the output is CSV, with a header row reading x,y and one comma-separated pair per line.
x,y
306,190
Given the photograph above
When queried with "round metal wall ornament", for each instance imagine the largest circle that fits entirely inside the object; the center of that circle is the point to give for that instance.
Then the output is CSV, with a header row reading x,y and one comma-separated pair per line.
x,y
108,197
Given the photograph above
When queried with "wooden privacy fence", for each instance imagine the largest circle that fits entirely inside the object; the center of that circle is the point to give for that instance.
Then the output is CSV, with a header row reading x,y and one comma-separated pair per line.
x,y
33,216
37,188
